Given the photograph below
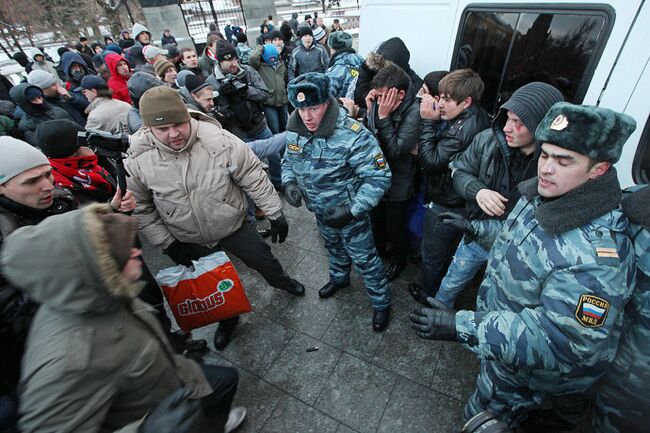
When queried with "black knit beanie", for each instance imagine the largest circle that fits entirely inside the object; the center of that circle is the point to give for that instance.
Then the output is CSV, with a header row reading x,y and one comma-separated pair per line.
x,y
225,51
58,138
531,103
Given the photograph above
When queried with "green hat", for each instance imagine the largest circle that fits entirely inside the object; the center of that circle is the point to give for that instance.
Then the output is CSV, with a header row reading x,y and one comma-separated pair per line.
x,y
309,89
162,105
596,132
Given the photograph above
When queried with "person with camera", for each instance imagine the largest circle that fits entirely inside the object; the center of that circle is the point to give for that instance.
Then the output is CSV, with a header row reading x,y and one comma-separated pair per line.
x,y
191,180
241,93
96,359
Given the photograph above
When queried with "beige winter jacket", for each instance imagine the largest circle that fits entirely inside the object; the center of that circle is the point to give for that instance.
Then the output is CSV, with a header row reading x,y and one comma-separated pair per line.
x,y
107,114
196,194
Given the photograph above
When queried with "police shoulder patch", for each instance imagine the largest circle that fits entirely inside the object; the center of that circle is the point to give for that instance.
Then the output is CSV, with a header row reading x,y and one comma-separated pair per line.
x,y
354,72
591,311
380,161
293,147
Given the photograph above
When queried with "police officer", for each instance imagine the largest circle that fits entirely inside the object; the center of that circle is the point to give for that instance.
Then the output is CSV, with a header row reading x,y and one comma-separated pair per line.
x,y
336,165
623,403
559,273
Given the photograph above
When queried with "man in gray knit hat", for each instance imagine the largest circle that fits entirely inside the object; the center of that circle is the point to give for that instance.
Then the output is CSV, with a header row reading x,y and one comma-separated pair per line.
x,y
488,171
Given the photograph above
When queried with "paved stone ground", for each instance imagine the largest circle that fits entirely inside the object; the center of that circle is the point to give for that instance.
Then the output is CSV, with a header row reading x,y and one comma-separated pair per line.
x,y
358,380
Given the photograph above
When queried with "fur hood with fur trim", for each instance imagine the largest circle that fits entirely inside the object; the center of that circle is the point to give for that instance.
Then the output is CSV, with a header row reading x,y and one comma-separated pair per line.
x,y
65,262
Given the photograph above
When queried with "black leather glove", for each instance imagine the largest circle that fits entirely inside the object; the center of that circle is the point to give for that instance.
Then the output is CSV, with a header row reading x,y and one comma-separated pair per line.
x,y
228,89
279,229
337,216
183,253
434,323
458,222
292,194
176,413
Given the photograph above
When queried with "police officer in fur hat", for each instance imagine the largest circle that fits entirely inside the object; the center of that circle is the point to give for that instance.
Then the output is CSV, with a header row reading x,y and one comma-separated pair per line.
x,y
559,273
336,166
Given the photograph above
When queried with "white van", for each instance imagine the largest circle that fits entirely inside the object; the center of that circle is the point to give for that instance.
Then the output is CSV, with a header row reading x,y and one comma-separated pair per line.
x,y
597,53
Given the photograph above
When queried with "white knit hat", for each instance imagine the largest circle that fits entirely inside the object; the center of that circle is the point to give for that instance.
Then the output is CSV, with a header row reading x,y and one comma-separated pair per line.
x,y
41,79
18,157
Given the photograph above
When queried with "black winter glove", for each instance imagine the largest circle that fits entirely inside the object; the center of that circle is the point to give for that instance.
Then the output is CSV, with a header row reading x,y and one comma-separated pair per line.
x,y
176,413
458,222
279,229
228,89
292,194
337,216
183,253
437,323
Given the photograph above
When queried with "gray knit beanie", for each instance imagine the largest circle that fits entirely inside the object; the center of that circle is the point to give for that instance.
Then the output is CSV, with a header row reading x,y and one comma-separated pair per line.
x,y
531,103
41,79
17,157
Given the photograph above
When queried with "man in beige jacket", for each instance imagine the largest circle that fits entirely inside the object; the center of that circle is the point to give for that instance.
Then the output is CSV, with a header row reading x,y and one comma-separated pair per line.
x,y
104,113
190,178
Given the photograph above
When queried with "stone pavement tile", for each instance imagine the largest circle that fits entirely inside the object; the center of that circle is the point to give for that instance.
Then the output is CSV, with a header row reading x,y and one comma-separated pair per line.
x,y
406,354
310,314
300,373
355,293
269,301
308,237
287,254
414,408
293,416
357,393
258,397
352,331
256,343
456,371
345,429
214,358
312,271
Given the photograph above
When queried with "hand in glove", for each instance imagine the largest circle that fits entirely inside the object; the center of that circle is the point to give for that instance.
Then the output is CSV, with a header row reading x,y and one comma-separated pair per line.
x,y
183,253
337,216
279,229
176,413
437,323
458,222
228,89
292,194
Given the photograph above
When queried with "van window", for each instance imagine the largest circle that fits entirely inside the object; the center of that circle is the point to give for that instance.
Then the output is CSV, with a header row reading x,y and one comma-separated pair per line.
x,y
510,48
641,165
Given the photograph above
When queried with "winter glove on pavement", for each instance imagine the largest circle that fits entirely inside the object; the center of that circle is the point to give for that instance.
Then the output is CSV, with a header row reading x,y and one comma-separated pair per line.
x,y
292,194
458,222
279,229
437,323
183,253
337,216
176,413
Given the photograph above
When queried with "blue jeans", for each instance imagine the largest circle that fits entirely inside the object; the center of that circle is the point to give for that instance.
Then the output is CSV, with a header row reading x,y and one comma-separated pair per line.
x,y
276,117
469,258
438,246
275,161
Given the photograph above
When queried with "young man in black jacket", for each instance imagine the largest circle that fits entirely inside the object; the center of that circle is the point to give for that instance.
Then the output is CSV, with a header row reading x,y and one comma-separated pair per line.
x,y
393,116
487,172
448,127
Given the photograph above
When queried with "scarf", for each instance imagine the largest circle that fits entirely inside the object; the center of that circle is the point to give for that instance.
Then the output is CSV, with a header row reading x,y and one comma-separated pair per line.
x,y
81,173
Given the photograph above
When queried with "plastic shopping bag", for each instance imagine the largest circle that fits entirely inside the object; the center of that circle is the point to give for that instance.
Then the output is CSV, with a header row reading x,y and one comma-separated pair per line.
x,y
208,292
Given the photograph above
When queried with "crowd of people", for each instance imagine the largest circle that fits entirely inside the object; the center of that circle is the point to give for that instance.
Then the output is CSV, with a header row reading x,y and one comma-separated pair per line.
x,y
394,167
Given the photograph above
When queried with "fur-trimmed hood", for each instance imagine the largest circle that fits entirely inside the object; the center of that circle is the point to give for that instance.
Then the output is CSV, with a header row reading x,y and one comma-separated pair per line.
x,y
65,263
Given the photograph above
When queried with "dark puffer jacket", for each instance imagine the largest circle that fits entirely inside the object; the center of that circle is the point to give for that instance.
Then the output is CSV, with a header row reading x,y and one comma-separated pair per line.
x,y
398,135
34,114
437,148
486,163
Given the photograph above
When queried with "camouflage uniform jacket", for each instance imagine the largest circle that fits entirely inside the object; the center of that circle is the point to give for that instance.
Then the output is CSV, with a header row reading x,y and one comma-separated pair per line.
x,y
341,163
549,310
343,68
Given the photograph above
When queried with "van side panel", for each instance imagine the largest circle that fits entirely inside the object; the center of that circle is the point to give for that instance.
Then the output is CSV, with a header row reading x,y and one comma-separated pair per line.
x,y
426,27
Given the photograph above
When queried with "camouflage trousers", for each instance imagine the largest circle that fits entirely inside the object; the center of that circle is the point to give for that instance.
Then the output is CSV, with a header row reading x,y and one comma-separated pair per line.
x,y
354,244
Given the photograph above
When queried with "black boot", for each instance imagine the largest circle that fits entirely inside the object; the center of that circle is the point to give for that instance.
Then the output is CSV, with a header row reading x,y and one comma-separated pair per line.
x,y
294,287
380,320
331,287
224,332
182,342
